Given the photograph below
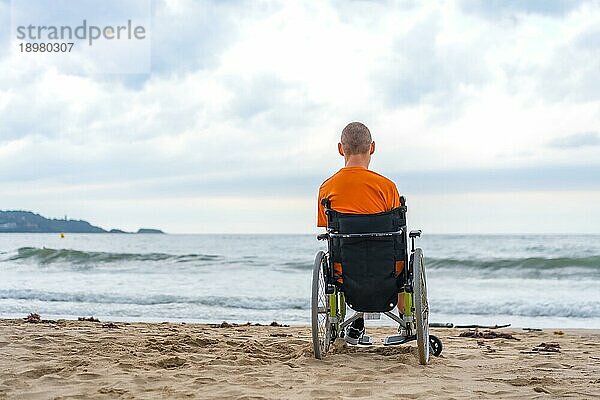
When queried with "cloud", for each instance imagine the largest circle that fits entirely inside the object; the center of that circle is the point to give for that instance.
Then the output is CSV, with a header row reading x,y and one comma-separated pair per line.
x,y
576,140
304,185
248,99
572,73
422,66
588,39
188,36
282,98
4,25
539,178
505,8
266,100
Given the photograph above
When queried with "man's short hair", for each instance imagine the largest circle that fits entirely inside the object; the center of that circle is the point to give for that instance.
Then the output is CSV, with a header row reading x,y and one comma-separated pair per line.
x,y
356,139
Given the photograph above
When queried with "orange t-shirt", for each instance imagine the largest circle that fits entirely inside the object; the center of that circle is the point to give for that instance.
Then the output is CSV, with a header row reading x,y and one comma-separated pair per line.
x,y
357,190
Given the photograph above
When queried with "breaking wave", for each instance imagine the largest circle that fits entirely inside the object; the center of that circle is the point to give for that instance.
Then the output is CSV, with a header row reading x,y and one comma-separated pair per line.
x,y
48,256
520,263
587,309
243,302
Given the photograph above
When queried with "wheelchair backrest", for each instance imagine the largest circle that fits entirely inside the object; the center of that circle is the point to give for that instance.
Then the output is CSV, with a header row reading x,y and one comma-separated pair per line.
x,y
369,249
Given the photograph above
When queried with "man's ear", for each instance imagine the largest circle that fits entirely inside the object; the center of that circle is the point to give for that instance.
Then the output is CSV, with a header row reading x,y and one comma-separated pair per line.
x,y
341,149
372,148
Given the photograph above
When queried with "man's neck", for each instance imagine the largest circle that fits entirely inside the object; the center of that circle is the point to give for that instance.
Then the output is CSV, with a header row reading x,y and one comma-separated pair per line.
x,y
357,160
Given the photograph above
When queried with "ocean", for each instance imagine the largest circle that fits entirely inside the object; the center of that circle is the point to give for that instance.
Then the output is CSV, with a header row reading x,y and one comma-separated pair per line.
x,y
536,281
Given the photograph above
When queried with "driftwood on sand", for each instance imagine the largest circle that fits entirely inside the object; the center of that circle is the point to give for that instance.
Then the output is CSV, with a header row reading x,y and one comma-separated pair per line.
x,y
487,334
35,318
543,347
90,319
483,326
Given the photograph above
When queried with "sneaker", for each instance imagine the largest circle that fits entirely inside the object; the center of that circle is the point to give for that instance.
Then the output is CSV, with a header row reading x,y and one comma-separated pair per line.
x,y
353,335
355,331
402,328
402,331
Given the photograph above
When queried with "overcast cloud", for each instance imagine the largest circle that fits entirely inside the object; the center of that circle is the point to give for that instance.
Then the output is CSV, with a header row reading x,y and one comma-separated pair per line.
x,y
242,111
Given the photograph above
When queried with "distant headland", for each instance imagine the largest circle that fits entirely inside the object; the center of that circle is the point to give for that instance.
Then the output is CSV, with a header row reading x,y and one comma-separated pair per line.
x,y
29,222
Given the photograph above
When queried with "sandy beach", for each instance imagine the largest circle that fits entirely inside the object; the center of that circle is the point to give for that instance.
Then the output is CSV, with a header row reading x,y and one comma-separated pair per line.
x,y
74,359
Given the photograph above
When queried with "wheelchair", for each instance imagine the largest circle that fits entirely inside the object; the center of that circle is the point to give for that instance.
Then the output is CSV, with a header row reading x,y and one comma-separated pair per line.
x,y
366,266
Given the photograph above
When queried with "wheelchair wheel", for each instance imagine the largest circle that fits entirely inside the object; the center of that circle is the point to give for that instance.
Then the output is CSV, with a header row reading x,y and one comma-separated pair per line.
x,y
321,323
421,306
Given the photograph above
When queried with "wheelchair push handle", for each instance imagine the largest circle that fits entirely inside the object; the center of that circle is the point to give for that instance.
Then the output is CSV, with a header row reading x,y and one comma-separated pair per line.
x,y
414,234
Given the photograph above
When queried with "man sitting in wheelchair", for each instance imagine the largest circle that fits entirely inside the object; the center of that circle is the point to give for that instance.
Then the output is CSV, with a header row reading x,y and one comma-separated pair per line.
x,y
367,265
355,189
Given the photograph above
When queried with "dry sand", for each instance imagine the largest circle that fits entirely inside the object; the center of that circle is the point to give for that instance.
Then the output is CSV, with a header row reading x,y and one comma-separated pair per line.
x,y
71,359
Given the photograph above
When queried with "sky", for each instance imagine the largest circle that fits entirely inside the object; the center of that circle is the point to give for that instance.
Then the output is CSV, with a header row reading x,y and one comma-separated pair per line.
x,y
486,114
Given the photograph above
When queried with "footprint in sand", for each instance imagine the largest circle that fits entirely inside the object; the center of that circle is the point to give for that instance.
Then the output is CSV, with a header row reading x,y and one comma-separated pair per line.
x,y
493,393
360,392
464,356
126,366
171,362
112,391
396,369
322,394
550,365
204,380
521,381
88,376
41,339
39,372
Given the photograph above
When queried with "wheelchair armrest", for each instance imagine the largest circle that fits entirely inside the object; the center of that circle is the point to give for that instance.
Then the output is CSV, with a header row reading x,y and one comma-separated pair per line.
x,y
415,233
323,236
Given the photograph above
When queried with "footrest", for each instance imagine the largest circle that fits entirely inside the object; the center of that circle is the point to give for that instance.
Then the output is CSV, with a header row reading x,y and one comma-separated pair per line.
x,y
365,340
397,339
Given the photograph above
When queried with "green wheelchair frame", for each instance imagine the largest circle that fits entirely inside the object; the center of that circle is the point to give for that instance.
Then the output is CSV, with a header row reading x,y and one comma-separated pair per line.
x,y
329,309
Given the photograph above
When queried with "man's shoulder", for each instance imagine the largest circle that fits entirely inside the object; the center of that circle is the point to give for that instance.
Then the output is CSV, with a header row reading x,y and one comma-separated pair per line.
x,y
330,179
380,178
368,175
